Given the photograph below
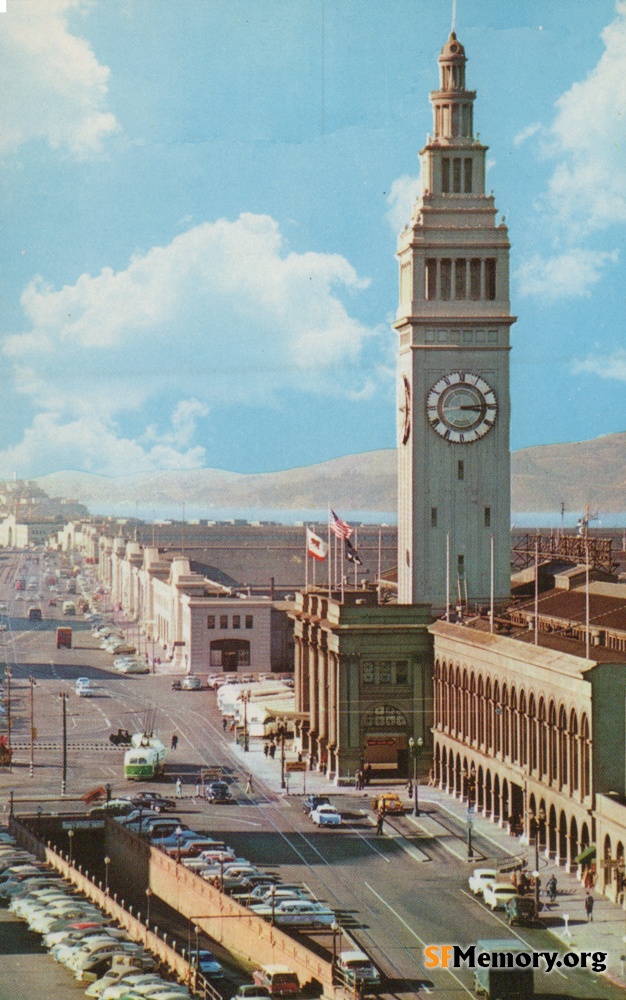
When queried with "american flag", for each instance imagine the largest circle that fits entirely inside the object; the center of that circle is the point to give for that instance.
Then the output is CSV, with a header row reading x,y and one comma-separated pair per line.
x,y
339,528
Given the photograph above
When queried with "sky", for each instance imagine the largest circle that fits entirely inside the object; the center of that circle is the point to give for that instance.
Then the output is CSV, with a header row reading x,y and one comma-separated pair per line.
x,y
199,208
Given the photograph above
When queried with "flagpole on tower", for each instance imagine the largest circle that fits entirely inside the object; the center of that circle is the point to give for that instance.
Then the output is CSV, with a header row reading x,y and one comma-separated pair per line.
x,y
356,565
330,556
306,558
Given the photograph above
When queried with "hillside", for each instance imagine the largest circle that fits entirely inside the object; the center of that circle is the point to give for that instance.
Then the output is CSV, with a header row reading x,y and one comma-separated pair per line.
x,y
576,474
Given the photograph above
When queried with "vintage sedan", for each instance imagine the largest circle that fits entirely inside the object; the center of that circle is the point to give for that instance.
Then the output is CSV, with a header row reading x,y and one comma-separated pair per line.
x,y
326,815
481,877
389,802
497,894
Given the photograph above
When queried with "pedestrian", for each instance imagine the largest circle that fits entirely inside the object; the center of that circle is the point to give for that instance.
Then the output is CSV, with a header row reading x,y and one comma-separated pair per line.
x,y
266,749
367,774
272,750
551,887
224,723
198,788
174,741
431,778
409,788
249,784
380,822
589,907
589,879
359,780
179,789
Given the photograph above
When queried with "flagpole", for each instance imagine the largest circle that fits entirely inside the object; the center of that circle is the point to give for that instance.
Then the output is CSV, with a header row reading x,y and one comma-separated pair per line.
x,y
380,557
356,565
491,585
448,577
330,555
306,558
343,582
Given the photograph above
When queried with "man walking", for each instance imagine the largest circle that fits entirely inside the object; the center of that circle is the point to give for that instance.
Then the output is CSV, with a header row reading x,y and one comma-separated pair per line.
x,y
179,789
589,907
380,822
249,784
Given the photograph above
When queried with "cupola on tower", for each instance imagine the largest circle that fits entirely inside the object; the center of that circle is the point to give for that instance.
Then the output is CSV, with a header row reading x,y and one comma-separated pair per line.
x,y
453,327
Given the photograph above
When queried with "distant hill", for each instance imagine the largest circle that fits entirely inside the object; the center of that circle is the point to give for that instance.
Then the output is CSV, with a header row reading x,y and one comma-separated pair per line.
x,y
576,474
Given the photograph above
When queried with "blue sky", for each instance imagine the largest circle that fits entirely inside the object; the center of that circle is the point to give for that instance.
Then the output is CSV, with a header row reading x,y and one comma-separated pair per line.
x,y
199,204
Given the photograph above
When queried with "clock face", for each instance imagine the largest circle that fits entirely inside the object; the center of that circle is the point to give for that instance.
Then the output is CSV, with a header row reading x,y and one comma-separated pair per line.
x,y
404,407
461,407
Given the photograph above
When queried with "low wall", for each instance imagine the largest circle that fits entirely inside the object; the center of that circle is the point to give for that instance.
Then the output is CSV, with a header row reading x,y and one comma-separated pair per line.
x,y
245,935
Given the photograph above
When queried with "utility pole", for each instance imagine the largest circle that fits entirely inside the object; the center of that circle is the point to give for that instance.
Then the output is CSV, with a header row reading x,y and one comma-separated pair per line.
x,y
245,697
8,674
63,697
31,681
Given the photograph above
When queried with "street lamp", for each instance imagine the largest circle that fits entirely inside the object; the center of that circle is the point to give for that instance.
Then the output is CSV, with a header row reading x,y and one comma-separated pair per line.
x,y
148,894
281,732
197,930
107,862
273,899
70,834
334,928
179,833
415,747
107,789
245,698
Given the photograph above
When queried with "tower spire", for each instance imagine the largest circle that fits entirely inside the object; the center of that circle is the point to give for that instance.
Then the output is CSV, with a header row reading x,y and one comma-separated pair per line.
x,y
453,25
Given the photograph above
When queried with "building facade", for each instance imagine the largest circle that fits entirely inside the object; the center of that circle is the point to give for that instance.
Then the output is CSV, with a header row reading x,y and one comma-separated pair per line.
x,y
362,682
453,325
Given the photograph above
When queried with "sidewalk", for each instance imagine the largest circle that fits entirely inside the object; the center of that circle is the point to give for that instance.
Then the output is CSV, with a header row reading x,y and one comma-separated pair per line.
x,y
606,933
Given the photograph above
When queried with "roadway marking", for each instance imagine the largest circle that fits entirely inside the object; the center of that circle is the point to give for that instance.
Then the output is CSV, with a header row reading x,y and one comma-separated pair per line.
x,y
408,848
412,932
369,844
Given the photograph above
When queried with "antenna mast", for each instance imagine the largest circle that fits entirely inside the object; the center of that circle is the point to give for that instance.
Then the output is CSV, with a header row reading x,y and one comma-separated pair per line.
x,y
453,28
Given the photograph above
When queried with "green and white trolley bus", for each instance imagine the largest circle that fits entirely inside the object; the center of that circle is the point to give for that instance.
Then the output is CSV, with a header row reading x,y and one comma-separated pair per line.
x,y
144,760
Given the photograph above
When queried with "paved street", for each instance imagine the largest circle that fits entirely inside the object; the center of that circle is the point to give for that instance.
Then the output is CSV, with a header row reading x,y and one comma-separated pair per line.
x,y
394,894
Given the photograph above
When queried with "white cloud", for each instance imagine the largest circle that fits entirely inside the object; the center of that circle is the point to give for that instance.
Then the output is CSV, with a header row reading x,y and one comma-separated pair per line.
x,y
526,133
222,316
53,88
567,275
611,366
588,138
404,192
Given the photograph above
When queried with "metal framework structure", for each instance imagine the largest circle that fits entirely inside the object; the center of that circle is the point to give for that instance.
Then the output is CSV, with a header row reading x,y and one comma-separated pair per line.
x,y
573,548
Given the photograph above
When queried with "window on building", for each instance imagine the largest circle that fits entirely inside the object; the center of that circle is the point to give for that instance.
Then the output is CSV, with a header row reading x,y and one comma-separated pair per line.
x,y
456,175
460,279
445,279
487,517
467,175
223,621
210,622
385,672
460,469
433,517
249,621
475,279
490,278
460,565
445,174
236,621
431,278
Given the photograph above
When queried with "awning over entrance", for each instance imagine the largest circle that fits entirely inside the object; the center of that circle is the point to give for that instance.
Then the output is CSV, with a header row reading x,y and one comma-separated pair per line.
x,y
588,854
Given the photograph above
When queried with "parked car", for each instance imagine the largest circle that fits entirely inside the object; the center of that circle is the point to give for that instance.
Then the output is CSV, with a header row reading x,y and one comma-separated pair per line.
x,y
152,800
218,792
496,894
296,913
251,992
208,964
83,687
481,877
326,816
311,802
190,683
356,966
280,980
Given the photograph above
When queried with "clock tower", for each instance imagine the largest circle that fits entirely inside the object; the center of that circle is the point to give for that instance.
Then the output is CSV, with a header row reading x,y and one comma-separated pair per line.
x,y
453,327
